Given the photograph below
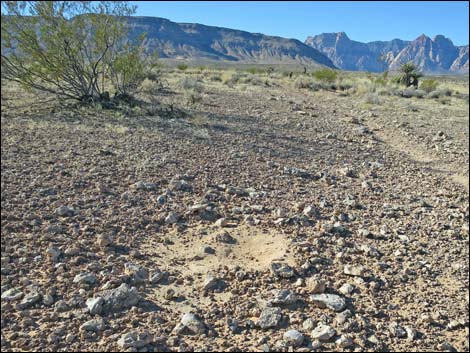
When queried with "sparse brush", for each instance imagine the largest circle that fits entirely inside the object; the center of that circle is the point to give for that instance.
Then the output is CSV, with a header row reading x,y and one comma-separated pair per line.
x,y
410,92
444,100
303,82
372,98
182,67
325,75
230,78
428,85
436,94
191,83
217,77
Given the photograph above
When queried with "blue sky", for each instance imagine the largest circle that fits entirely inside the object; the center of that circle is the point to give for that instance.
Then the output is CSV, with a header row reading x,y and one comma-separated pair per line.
x,y
362,20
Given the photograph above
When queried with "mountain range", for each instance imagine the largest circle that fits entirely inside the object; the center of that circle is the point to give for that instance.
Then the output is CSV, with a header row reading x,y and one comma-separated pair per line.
x,y
196,41
431,55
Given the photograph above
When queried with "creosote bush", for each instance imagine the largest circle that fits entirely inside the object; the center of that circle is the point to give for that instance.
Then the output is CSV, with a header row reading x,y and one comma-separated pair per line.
x,y
428,85
325,75
182,67
73,49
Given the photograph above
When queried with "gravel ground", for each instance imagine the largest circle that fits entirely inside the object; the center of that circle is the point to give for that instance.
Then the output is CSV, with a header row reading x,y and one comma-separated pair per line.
x,y
265,220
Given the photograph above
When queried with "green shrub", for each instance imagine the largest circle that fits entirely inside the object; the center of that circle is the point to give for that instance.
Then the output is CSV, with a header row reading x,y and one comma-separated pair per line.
x,y
74,49
428,85
325,75
182,67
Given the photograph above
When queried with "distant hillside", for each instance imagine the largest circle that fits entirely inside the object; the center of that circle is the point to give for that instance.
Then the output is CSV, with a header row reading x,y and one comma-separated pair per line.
x,y
196,41
438,55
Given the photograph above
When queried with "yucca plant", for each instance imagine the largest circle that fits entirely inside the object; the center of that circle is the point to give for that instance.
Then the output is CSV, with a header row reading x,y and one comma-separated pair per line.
x,y
409,74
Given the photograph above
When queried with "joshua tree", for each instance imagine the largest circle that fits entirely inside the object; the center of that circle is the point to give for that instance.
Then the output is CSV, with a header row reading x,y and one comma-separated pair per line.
x,y
409,74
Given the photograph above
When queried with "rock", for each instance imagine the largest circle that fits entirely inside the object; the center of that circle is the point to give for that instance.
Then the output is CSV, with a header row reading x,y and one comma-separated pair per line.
x,y
158,276
396,330
138,273
61,306
206,249
86,279
72,251
322,333
346,289
354,270
64,211
169,294
301,173
282,270
293,338
309,324
48,299
311,211
181,185
344,342
330,301
55,229
53,254
29,300
117,299
221,222
171,218
270,318
192,325
94,325
12,294
410,333
104,240
145,186
95,305
210,283
315,285
364,233
135,339
343,316
225,237
284,297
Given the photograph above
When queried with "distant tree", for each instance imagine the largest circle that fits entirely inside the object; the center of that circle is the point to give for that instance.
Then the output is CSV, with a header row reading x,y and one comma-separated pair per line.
x,y
75,49
409,75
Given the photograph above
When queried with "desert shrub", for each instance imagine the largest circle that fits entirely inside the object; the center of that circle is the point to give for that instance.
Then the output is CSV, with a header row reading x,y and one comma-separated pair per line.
x,y
384,91
410,92
428,85
325,75
380,81
254,70
444,100
254,80
462,96
193,89
230,78
439,93
74,49
191,83
217,77
303,82
182,67
344,86
372,98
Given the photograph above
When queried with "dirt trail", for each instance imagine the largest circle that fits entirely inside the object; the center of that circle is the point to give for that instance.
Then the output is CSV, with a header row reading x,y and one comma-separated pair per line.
x,y
420,154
